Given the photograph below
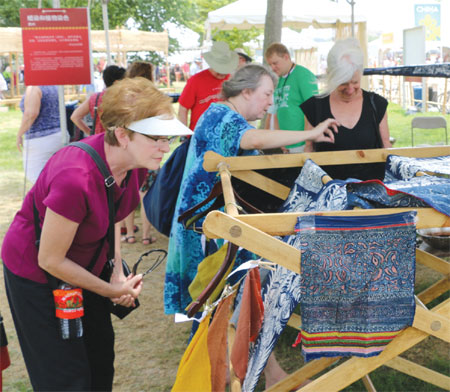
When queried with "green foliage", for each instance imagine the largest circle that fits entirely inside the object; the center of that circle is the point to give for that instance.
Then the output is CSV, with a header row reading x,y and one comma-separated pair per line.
x,y
10,157
237,38
149,15
201,8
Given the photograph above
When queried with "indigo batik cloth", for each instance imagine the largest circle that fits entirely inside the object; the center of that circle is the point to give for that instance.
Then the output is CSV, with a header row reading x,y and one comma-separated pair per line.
x,y
404,168
219,129
281,289
357,282
424,191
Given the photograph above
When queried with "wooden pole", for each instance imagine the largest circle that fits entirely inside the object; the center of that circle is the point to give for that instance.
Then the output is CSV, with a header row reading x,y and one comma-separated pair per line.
x,y
11,81
444,100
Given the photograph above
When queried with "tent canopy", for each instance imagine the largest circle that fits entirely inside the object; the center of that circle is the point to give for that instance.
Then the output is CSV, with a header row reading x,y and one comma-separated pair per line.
x,y
120,40
297,14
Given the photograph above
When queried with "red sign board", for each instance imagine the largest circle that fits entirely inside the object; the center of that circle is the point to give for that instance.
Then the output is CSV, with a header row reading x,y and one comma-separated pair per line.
x,y
56,47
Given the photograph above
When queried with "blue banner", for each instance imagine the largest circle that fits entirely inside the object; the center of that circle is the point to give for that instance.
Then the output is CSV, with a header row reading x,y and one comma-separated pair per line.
x,y
429,15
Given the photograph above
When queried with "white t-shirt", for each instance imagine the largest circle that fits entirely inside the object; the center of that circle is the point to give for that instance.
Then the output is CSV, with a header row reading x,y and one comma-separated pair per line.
x,y
3,84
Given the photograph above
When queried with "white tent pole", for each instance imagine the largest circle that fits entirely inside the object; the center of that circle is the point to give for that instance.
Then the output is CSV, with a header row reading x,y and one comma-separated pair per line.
x,y
352,3
106,28
61,104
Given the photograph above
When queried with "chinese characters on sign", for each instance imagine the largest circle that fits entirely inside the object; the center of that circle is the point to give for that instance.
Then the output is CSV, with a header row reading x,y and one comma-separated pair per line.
x,y
56,46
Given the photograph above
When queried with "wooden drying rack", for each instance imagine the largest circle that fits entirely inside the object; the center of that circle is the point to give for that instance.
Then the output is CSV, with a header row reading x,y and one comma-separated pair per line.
x,y
255,232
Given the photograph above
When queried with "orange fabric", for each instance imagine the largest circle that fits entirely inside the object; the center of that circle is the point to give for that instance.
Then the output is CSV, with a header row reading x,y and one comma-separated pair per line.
x,y
249,324
217,344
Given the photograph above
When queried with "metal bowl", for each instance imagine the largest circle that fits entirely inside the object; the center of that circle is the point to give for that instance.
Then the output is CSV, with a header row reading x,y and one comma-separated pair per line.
x,y
436,237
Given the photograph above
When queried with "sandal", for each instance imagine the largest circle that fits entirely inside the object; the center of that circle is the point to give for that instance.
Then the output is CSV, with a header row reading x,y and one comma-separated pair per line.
x,y
149,240
129,239
123,230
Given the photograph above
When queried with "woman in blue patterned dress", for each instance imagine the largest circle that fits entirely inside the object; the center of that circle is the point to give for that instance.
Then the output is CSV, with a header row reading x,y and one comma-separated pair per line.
x,y
224,129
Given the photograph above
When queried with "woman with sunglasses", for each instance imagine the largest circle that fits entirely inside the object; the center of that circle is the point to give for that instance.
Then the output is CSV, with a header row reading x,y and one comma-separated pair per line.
x,y
71,204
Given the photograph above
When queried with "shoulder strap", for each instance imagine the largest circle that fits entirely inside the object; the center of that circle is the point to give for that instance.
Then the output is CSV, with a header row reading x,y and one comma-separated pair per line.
x,y
95,113
109,182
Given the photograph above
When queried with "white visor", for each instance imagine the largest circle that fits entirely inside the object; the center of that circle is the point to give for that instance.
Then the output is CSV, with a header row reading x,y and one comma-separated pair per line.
x,y
160,126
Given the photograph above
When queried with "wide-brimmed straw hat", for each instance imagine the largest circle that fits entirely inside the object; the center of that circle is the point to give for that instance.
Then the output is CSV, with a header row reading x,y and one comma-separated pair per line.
x,y
163,125
241,52
221,59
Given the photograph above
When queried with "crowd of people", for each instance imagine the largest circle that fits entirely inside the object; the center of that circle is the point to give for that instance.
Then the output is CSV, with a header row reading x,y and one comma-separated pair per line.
x,y
132,124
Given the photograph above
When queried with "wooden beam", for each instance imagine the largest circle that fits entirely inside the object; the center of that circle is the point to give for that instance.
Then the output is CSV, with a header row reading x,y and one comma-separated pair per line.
x,y
220,225
212,159
295,321
304,373
432,261
368,383
227,189
422,373
435,290
283,223
355,368
432,323
262,182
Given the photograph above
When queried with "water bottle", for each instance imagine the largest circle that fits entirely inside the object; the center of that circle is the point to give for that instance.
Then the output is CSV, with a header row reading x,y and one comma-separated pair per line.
x,y
69,310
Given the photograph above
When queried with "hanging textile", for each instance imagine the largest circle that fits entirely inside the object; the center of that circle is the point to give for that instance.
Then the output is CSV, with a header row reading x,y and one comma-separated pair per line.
x,y
281,292
249,324
308,194
424,191
206,271
357,283
405,168
194,371
217,344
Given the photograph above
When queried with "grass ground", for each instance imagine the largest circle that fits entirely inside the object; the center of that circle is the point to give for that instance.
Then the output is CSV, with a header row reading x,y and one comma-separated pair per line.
x,y
148,344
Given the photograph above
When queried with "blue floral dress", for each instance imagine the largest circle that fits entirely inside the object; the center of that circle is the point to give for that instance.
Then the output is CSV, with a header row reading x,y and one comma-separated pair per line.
x,y
220,129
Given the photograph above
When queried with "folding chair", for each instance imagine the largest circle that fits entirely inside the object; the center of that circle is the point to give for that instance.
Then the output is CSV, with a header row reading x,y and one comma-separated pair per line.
x,y
428,122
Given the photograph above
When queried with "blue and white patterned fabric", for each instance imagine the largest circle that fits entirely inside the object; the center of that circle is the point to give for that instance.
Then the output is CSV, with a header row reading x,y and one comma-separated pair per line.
x,y
424,191
281,292
308,194
219,129
405,168
357,282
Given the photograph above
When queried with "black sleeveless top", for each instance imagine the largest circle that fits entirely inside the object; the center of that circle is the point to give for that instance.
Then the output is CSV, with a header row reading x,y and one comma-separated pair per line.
x,y
364,135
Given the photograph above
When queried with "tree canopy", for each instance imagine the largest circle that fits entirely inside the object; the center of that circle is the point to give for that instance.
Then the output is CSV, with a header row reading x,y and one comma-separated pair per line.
x,y
147,15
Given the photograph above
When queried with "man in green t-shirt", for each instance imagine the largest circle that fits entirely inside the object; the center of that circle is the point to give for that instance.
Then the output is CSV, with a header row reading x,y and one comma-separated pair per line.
x,y
296,84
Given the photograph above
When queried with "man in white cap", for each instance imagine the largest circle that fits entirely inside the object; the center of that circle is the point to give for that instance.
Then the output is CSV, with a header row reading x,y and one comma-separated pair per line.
x,y
195,67
204,88
244,58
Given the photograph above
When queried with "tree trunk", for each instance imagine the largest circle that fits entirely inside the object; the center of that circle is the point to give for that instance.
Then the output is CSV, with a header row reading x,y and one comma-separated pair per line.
x,y
272,27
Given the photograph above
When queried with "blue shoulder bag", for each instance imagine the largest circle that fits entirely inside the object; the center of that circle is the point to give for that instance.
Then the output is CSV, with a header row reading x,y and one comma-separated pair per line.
x,y
160,199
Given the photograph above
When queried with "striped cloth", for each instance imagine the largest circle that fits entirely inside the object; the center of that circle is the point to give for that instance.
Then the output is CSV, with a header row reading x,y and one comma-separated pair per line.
x,y
357,284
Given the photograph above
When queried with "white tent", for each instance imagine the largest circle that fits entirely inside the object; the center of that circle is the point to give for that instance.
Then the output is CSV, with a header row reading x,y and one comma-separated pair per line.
x,y
297,14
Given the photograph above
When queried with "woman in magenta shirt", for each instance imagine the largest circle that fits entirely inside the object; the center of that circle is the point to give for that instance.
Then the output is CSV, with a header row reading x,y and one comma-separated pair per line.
x,y
71,201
